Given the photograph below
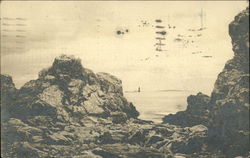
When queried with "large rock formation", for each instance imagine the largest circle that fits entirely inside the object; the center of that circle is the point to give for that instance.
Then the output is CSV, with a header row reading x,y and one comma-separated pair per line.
x,y
71,112
67,89
227,112
229,104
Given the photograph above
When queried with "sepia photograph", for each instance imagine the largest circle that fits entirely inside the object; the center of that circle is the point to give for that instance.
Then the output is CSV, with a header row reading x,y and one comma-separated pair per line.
x,y
124,79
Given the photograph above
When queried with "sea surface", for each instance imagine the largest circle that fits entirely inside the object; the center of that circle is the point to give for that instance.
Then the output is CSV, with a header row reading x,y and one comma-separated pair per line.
x,y
155,105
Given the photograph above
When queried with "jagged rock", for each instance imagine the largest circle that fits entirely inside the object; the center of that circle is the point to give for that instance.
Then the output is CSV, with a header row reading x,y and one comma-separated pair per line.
x,y
195,114
67,86
230,97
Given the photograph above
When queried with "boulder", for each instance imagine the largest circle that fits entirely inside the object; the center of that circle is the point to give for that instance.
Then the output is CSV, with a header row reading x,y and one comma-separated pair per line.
x,y
196,113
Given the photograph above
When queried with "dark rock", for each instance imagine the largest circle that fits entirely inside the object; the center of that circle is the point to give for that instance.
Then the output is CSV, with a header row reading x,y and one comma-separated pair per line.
x,y
106,138
193,143
229,103
8,95
196,113
105,154
119,117
139,137
154,139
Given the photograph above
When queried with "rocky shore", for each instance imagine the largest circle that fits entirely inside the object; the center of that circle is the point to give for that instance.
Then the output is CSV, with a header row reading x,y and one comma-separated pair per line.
x,y
70,111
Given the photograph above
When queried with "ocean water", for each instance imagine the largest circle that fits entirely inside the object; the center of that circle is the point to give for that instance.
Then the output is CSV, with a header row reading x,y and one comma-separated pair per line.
x,y
156,104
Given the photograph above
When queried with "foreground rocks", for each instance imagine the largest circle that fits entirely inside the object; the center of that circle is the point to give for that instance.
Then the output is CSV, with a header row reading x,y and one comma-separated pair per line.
x,y
226,113
101,138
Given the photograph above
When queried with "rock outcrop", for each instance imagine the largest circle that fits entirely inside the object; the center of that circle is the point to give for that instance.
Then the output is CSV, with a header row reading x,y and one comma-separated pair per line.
x,y
226,113
229,104
67,89
195,114
69,111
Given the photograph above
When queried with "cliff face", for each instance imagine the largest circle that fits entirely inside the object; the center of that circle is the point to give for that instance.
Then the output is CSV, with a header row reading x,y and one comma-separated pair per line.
x,y
229,104
226,113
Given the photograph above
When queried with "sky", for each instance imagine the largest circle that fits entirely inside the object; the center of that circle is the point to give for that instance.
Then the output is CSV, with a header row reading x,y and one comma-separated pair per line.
x,y
33,33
